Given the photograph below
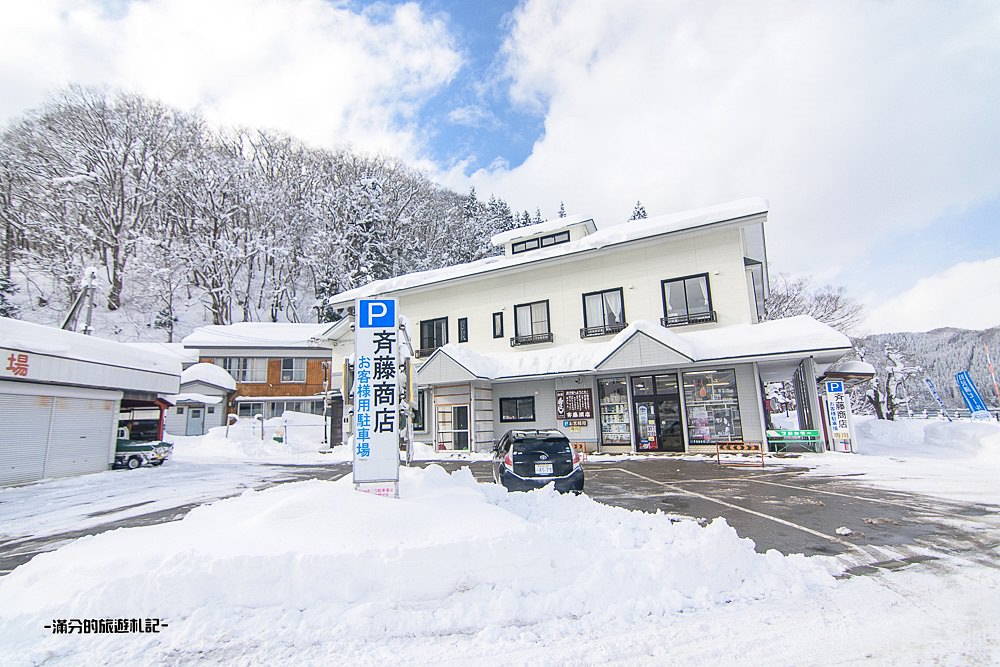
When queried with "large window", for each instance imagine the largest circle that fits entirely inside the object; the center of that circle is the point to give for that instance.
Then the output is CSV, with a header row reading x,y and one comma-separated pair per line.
x,y
293,370
712,405
517,409
531,324
249,408
246,369
687,301
433,334
603,313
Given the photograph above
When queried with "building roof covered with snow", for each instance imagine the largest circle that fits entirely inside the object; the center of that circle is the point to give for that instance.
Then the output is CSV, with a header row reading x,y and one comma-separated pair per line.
x,y
284,335
616,235
208,374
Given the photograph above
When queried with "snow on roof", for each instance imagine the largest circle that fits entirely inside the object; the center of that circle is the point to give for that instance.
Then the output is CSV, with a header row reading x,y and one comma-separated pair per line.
x,y
855,367
541,228
209,374
255,334
789,335
623,233
194,397
46,340
183,354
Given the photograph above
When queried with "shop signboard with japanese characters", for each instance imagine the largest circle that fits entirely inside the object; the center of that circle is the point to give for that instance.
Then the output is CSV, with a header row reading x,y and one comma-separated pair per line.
x,y
574,404
839,417
376,391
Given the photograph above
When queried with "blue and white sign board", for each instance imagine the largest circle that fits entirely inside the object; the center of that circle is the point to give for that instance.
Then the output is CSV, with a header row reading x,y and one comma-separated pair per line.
x,y
838,410
936,395
973,400
376,391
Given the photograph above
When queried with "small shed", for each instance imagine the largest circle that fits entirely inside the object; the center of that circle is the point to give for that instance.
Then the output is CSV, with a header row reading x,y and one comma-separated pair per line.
x,y
60,397
201,404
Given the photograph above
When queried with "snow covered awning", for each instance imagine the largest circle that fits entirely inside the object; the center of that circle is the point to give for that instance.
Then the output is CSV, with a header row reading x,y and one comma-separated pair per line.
x,y
210,374
646,345
190,397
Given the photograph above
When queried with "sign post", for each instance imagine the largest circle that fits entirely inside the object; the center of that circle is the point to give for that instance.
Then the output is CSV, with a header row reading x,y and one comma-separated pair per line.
x,y
973,401
838,407
376,397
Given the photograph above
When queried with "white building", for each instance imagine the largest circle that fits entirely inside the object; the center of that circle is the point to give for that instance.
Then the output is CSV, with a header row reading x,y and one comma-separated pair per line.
x,y
60,397
644,336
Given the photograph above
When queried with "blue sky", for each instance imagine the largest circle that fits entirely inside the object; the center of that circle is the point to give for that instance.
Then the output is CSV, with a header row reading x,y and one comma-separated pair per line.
x,y
870,126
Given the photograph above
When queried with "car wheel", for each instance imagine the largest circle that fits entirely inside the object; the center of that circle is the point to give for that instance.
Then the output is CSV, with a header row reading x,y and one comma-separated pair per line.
x,y
134,462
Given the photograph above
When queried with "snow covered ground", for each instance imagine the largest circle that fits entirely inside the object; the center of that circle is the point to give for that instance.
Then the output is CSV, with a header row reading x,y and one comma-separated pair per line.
x,y
456,572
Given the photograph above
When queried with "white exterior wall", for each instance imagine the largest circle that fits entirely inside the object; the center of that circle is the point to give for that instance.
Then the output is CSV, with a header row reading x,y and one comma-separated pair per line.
x,y
544,393
638,269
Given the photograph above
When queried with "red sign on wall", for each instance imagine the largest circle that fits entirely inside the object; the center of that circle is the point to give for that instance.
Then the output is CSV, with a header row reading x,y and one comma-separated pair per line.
x,y
18,364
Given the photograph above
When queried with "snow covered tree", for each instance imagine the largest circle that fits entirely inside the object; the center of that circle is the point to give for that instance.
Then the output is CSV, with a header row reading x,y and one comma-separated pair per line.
x,y
639,212
797,296
7,291
562,210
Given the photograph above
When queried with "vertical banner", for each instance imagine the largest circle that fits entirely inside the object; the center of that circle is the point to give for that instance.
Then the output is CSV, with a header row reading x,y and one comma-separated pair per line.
x,y
971,395
838,412
376,391
937,396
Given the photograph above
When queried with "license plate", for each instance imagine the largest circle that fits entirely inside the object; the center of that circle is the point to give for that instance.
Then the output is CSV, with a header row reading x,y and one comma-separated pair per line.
x,y
543,468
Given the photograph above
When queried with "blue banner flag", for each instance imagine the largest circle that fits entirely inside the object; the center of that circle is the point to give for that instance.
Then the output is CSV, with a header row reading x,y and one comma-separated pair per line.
x,y
969,393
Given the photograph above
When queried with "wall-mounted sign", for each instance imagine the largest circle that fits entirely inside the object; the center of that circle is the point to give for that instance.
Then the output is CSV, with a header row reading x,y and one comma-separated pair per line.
x,y
574,404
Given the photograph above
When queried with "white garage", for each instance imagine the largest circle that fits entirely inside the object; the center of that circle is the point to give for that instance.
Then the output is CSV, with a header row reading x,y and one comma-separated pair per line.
x,y
60,396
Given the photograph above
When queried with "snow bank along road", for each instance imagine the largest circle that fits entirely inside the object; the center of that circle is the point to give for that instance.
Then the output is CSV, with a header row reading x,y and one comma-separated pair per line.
x,y
778,507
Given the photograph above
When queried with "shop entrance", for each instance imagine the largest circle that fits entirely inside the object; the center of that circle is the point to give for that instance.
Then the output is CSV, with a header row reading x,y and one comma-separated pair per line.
x,y
656,403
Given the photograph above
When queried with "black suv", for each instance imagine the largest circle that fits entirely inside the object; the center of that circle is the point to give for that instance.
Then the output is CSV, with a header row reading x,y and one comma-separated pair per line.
x,y
526,460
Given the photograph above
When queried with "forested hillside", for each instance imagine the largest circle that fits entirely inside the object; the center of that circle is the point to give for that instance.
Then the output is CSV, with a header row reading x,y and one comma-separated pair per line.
x,y
190,225
938,354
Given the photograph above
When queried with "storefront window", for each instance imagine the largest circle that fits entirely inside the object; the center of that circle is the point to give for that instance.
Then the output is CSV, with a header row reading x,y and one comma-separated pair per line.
x,y
712,406
613,397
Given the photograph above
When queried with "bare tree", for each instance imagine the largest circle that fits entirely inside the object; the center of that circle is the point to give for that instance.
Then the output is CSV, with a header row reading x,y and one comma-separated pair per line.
x,y
798,296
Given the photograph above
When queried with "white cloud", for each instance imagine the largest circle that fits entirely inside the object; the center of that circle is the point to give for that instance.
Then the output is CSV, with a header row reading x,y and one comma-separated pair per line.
x,y
857,120
312,68
966,295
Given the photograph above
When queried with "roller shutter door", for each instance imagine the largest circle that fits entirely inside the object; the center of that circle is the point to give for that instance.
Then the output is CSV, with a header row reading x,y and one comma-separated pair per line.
x,y
23,437
81,436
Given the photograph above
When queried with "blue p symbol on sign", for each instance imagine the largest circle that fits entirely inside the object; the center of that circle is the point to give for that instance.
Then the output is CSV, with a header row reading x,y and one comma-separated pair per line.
x,y
374,313
834,387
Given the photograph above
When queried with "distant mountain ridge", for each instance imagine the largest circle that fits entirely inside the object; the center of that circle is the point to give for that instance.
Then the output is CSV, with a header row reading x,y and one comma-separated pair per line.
x,y
940,353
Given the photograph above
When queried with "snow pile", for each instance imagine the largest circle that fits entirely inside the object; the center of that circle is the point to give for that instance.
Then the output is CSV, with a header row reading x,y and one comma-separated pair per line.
x,y
317,571
958,460
209,374
295,437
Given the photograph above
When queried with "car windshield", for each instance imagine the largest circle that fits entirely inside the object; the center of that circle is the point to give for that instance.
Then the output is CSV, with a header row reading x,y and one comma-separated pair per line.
x,y
554,447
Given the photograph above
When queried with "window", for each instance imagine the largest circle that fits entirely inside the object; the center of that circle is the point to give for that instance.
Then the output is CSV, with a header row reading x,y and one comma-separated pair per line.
x,y
712,405
540,242
687,301
531,324
603,313
498,325
249,408
180,411
517,409
419,411
211,410
245,369
463,330
293,370
433,334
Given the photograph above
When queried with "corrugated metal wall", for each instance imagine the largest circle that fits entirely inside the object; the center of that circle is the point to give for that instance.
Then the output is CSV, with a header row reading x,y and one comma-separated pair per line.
x,y
44,434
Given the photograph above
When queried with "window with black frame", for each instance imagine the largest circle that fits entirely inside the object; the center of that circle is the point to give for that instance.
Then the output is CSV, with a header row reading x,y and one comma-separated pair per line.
x,y
687,300
433,334
531,324
463,330
498,325
603,313
517,409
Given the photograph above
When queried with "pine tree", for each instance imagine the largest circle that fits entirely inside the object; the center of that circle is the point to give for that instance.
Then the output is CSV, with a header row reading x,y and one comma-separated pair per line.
x,y
7,291
639,212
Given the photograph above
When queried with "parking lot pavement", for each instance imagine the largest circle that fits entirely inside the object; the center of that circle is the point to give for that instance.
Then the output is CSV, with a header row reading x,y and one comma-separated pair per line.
x,y
777,507
782,508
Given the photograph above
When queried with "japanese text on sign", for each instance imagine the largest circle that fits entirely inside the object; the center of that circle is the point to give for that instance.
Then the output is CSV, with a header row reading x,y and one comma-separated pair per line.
x,y
18,364
376,392
574,404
